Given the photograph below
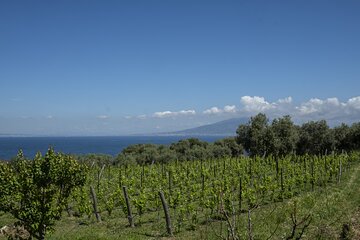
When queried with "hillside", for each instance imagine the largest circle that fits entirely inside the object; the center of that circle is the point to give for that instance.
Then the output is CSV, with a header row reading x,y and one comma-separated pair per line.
x,y
226,128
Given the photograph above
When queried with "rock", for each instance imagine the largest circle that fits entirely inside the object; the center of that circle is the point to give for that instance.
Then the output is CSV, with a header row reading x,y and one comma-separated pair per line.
x,y
4,230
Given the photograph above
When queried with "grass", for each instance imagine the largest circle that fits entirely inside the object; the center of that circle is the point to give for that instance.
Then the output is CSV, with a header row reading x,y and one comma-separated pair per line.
x,y
334,211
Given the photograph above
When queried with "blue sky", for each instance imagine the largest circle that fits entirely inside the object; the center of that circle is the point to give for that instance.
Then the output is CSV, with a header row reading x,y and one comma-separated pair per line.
x,y
123,67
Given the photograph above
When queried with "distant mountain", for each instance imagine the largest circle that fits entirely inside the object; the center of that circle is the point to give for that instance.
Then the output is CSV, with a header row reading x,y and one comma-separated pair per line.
x,y
224,128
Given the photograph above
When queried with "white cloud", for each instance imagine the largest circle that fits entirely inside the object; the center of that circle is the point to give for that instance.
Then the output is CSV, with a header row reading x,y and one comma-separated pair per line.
x,y
187,112
311,106
319,106
102,117
163,114
141,117
354,103
287,100
213,110
330,108
50,117
333,101
173,114
230,109
216,110
255,104
313,109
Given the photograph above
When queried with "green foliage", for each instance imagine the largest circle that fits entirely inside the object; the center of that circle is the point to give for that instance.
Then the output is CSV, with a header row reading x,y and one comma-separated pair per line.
x,y
354,136
139,153
165,154
36,191
283,137
191,149
254,135
183,150
220,151
341,136
315,138
198,190
95,159
231,144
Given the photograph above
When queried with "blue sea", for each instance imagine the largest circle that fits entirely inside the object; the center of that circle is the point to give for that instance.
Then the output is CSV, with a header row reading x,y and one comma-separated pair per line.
x,y
9,146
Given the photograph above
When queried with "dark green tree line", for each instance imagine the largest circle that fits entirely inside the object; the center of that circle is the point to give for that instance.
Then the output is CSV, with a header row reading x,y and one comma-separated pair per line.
x,y
283,137
183,150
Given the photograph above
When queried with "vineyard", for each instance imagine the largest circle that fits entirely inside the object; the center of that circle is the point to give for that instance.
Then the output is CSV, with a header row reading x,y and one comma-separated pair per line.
x,y
198,192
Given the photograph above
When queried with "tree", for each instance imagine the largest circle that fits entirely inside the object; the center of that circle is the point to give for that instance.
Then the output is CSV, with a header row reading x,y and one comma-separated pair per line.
x,y
183,145
342,137
354,137
196,152
286,135
36,191
254,135
142,153
230,143
190,149
97,159
166,154
315,138
220,151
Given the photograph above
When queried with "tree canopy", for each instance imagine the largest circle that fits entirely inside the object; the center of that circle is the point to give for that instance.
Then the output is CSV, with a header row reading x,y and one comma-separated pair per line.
x,y
183,150
283,137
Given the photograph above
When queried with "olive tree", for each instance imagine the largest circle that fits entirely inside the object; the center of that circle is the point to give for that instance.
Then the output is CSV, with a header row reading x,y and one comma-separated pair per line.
x,y
315,138
286,135
36,191
230,143
256,136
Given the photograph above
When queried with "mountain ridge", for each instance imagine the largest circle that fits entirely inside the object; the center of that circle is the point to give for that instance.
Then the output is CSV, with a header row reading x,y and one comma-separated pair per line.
x,y
222,128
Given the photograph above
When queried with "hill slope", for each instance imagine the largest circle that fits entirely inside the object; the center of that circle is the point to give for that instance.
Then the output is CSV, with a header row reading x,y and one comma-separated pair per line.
x,y
226,128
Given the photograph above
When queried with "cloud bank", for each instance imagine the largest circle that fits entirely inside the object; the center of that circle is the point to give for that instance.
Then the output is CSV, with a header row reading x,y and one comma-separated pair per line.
x,y
173,114
315,108
216,110
331,109
312,109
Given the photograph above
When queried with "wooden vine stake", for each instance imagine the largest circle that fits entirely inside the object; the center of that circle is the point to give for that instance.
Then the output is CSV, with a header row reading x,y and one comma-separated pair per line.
x,y
312,175
167,215
340,170
240,195
128,207
250,225
282,184
94,202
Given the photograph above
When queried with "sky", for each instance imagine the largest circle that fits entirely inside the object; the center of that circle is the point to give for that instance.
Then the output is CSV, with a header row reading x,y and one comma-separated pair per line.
x,y
130,67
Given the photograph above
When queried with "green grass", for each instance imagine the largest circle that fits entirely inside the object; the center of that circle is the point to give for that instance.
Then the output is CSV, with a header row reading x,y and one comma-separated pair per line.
x,y
330,208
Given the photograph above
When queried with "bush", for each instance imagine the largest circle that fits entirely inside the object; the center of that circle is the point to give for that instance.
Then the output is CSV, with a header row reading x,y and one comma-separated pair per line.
x,y
36,191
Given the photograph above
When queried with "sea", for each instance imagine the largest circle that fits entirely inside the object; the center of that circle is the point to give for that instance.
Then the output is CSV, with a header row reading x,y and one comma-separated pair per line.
x,y
9,146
